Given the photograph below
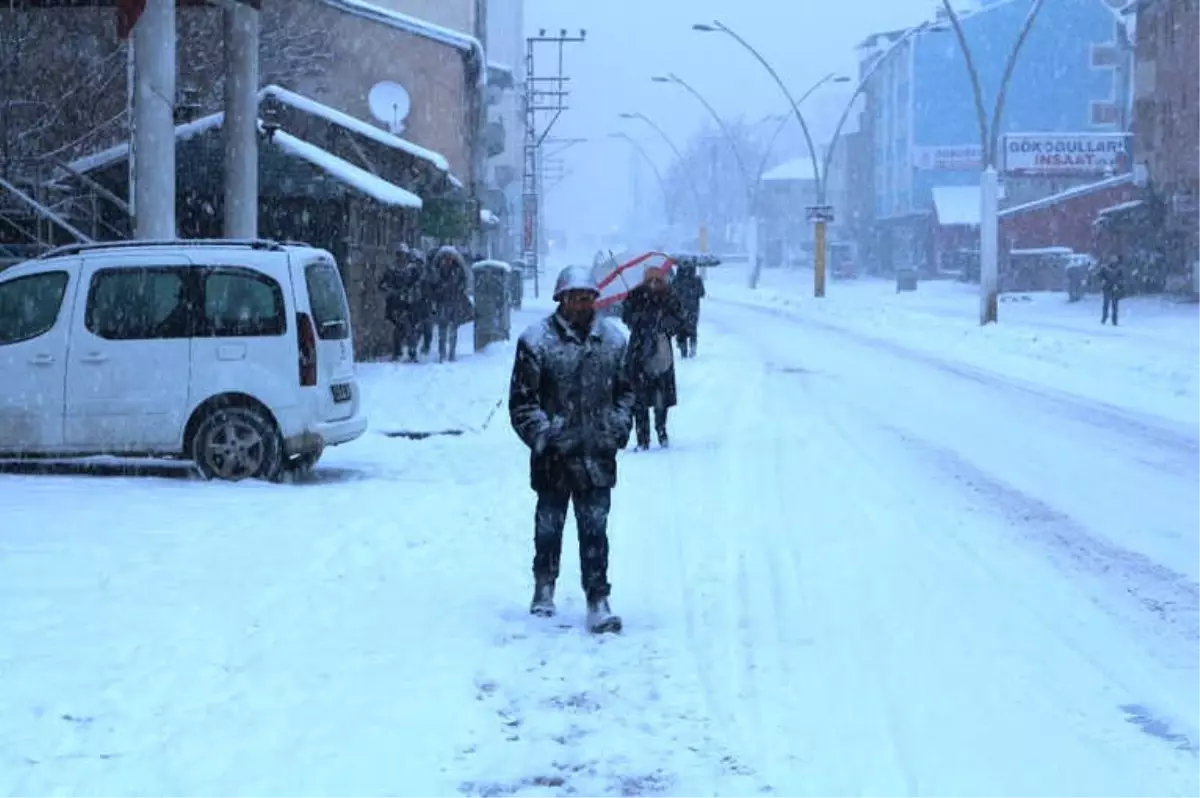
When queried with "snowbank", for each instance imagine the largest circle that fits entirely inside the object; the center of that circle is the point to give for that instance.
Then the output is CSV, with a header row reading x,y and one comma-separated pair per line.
x,y
1149,364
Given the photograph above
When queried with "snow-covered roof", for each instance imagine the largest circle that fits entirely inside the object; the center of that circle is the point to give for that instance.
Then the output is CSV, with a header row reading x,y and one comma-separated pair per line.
x,y
795,169
956,205
1071,193
1043,251
1121,206
345,172
491,264
414,25
117,152
344,120
501,75
375,187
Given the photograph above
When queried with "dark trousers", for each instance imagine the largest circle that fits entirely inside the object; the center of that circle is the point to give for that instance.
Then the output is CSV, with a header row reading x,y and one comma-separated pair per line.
x,y
404,336
447,330
426,335
641,419
1110,300
687,343
591,518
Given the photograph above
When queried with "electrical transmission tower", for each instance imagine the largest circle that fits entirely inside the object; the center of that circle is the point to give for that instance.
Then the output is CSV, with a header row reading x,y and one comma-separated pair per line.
x,y
545,96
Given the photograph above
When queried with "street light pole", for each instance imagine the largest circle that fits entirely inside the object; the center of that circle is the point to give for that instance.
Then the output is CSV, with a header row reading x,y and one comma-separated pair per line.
x,y
989,182
662,184
819,217
751,209
682,165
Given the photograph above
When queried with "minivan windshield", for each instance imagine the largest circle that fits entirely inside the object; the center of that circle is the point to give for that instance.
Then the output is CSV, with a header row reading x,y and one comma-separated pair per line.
x,y
328,301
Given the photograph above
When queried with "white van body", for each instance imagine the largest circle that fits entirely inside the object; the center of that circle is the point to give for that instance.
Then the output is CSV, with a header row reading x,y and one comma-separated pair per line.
x,y
236,354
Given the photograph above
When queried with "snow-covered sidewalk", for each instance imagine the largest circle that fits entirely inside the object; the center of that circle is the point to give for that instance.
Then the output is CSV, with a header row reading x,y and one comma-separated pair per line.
x,y
1149,364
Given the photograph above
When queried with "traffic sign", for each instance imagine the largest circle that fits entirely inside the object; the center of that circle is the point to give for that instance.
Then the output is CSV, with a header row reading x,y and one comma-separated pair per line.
x,y
820,213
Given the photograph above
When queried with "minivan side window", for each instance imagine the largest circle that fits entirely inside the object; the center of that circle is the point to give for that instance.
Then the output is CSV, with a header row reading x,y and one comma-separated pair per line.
x,y
139,303
242,302
29,305
328,301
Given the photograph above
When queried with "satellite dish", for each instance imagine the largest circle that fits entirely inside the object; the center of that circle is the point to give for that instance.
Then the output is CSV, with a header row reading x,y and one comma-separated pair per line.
x,y
390,104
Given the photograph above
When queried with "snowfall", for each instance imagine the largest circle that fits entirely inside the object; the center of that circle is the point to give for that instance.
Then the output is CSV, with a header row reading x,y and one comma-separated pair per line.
x,y
889,552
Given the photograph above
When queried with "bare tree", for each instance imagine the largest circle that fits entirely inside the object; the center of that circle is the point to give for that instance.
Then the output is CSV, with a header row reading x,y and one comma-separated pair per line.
x,y
61,85
294,49
715,169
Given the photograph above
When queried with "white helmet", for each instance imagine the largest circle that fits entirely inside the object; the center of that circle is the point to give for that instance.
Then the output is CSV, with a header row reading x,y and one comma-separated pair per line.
x,y
575,278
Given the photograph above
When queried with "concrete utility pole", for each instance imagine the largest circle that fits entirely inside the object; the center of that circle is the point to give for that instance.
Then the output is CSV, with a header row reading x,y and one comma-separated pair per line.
x,y
154,121
241,121
537,100
989,182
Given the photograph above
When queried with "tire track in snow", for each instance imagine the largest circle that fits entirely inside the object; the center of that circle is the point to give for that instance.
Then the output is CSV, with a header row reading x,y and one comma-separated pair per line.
x,y
892,593
1179,442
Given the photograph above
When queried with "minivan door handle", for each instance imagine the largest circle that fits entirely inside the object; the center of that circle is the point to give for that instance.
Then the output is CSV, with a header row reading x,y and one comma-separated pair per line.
x,y
94,357
41,360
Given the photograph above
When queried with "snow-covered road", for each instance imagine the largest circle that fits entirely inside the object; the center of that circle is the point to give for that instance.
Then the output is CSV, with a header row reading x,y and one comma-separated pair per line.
x,y
857,571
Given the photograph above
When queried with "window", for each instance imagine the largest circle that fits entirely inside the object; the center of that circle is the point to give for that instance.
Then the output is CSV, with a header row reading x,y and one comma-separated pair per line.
x,y
328,301
1104,56
29,305
1105,113
240,303
134,304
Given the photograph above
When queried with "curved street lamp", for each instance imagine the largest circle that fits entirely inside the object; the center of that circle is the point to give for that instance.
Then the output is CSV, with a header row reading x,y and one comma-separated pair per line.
x,y
662,184
671,77
679,155
819,221
832,77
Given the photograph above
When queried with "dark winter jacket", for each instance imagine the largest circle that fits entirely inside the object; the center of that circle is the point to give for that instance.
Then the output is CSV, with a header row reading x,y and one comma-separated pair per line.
x,y
404,293
448,284
688,286
570,401
1112,278
653,318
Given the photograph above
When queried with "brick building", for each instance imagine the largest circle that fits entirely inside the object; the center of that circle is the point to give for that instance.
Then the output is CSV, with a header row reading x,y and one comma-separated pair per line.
x,y
1166,126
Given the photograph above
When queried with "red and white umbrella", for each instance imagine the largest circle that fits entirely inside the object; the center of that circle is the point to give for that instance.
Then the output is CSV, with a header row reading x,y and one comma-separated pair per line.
x,y
617,284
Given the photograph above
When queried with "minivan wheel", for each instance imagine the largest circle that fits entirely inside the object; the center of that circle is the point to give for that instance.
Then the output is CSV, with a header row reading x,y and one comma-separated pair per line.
x,y
236,443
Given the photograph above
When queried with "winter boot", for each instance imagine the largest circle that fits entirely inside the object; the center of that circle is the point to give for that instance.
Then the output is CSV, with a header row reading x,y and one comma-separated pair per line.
x,y
663,440
600,618
543,600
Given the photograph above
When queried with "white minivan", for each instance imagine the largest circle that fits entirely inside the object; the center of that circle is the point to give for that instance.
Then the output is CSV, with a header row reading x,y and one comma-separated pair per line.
x,y
237,355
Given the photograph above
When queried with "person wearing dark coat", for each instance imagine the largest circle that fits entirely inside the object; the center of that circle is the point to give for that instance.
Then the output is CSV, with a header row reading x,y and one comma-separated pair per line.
x,y
449,286
570,401
1112,284
424,318
653,315
689,288
403,300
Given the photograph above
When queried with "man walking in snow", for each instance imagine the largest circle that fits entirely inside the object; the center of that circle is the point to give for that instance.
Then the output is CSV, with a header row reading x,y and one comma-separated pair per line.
x,y
570,401
1112,283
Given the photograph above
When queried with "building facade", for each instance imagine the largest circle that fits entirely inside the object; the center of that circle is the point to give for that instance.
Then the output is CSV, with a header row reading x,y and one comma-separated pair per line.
x,y
927,134
1166,125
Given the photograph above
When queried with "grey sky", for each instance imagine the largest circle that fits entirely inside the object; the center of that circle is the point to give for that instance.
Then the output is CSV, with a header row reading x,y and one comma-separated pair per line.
x,y
630,40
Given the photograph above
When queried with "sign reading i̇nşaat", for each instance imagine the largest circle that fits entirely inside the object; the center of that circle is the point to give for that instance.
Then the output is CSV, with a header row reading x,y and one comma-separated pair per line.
x,y
1066,153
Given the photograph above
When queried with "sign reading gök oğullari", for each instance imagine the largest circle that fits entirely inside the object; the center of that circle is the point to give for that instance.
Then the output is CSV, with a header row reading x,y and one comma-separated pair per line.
x,y
1066,154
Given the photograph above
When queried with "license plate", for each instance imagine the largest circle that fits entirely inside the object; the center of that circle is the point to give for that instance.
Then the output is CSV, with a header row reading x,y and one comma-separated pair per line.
x,y
341,392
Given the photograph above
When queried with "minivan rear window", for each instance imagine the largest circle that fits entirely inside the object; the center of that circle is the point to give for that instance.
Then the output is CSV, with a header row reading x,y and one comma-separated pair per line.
x,y
328,301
